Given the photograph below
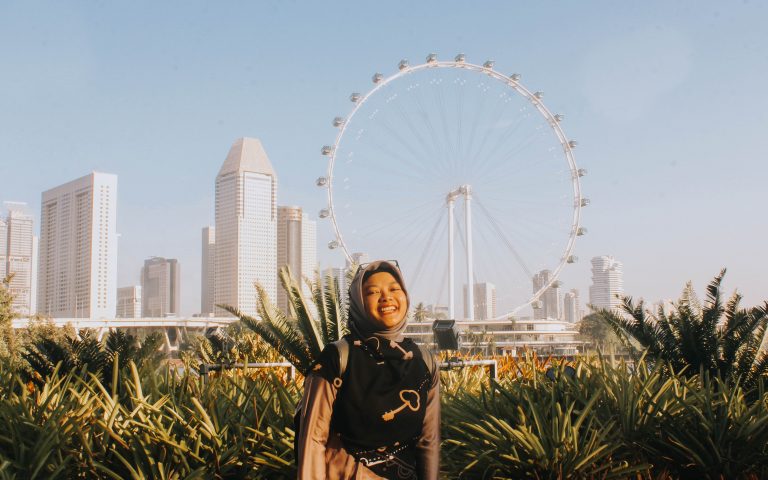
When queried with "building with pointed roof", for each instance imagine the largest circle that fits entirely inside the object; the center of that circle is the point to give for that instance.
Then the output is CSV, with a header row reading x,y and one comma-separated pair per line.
x,y
246,227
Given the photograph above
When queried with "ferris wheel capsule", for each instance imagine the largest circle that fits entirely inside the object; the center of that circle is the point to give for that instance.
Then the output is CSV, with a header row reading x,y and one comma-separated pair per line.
x,y
460,58
432,58
489,64
338,122
559,117
403,64
321,181
584,202
572,143
572,259
514,77
377,77
538,95
582,172
327,150
324,213
355,97
581,231
333,244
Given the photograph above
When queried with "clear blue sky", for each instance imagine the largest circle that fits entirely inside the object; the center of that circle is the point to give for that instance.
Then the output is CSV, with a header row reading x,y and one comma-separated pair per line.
x,y
667,100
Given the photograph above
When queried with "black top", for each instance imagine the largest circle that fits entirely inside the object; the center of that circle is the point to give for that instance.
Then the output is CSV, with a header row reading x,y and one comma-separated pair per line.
x,y
381,399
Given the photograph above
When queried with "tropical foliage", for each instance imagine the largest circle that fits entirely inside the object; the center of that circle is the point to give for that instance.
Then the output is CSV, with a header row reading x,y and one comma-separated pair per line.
x,y
718,338
300,334
86,354
543,418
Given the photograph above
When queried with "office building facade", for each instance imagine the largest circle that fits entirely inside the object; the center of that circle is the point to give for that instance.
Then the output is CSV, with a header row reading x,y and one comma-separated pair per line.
x,y
18,256
77,275
548,305
129,302
607,283
207,271
571,307
484,299
296,249
246,227
160,287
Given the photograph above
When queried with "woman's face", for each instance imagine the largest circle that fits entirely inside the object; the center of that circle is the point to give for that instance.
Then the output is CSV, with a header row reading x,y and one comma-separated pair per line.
x,y
384,299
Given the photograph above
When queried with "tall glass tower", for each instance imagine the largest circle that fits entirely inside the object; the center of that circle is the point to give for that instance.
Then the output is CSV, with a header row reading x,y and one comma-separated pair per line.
x,y
246,227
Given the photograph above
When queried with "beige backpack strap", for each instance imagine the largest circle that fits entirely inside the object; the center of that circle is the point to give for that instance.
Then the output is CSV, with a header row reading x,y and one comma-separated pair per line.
x,y
429,358
342,345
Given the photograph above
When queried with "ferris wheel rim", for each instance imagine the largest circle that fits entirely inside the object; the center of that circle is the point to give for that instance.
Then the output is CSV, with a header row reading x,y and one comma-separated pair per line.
x,y
511,81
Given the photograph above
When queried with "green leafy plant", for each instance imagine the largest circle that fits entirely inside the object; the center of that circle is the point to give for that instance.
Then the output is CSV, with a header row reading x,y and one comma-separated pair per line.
x,y
721,339
299,338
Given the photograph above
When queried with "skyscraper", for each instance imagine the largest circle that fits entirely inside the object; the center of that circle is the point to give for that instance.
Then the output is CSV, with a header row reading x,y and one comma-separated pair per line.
x,y
485,301
296,248
129,302
18,256
549,300
308,246
160,287
571,308
340,276
607,283
246,227
207,271
78,249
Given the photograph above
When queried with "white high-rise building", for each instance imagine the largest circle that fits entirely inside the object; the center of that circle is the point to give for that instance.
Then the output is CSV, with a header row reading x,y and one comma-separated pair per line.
x,y
78,249
18,252
485,301
549,300
607,283
129,302
340,275
160,287
207,271
571,308
308,246
296,248
246,227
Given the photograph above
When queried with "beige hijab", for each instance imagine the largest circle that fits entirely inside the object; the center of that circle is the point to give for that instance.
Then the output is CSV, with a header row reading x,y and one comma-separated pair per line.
x,y
359,321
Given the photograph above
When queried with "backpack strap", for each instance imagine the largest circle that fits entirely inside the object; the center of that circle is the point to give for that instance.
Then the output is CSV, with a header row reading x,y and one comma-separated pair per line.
x,y
429,358
342,345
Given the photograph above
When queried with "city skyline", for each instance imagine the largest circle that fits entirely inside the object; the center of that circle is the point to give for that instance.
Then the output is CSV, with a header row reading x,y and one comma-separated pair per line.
x,y
664,134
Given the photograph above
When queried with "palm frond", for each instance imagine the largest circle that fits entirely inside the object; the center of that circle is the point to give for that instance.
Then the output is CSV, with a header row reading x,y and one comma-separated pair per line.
x,y
304,320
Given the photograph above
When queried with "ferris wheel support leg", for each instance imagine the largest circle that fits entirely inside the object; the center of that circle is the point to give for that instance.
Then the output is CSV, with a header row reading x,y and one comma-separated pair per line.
x,y
451,286
470,306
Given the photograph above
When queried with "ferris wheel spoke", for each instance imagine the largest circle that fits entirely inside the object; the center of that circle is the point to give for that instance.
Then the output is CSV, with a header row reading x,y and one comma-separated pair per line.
x,y
402,141
436,144
504,239
492,125
450,161
414,130
484,167
513,129
427,249
479,112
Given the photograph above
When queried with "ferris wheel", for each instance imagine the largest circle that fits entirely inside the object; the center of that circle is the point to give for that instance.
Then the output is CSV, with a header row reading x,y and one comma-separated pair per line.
x,y
445,135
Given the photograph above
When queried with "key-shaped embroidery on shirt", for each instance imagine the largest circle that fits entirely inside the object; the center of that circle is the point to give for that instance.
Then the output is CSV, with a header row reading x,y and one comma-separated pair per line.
x,y
410,398
406,354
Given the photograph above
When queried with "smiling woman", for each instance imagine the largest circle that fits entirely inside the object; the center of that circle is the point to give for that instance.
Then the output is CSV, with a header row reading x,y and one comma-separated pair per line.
x,y
371,406
385,300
